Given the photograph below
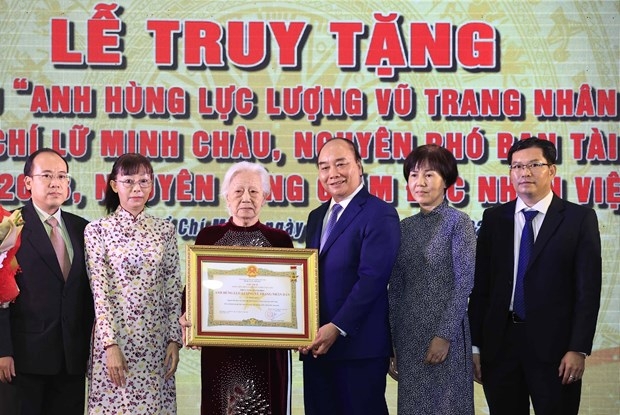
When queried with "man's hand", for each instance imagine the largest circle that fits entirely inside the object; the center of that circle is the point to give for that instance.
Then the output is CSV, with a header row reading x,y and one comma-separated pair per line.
x,y
477,368
572,366
7,369
325,337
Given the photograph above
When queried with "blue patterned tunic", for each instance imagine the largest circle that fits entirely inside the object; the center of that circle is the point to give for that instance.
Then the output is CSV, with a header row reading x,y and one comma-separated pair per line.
x,y
428,292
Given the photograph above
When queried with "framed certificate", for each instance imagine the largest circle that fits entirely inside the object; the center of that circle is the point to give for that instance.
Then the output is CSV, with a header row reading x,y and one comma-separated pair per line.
x,y
251,297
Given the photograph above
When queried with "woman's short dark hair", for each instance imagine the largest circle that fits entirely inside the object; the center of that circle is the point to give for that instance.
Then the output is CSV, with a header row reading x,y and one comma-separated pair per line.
x,y
127,164
435,158
547,147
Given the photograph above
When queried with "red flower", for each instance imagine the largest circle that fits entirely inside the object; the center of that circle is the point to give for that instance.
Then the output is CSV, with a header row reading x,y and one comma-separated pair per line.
x,y
10,238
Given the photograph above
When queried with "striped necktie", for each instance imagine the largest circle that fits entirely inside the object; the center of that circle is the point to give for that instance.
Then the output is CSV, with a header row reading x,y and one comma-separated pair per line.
x,y
331,222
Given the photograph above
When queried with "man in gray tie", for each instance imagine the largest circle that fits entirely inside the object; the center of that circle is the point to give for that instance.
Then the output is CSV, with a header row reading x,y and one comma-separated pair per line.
x,y
45,333
536,295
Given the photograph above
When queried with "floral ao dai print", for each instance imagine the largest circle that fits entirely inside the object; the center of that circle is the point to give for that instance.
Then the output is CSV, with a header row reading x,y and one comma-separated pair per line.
x,y
133,266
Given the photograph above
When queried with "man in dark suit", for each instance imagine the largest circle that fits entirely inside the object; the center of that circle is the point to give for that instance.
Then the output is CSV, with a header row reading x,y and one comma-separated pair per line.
x,y
533,321
345,367
45,333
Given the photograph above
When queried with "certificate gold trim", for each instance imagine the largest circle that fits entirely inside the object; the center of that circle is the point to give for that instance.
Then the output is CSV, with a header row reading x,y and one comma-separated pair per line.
x,y
251,296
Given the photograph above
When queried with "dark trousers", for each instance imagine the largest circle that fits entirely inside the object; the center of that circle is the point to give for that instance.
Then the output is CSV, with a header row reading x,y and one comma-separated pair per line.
x,y
345,387
9,402
515,376
60,394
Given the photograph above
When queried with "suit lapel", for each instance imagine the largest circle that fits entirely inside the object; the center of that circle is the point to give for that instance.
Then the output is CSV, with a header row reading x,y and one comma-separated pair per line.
x,y
553,219
352,210
506,227
35,236
78,251
315,228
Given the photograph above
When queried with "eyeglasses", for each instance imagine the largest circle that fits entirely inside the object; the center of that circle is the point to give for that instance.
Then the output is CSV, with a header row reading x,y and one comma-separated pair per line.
x,y
130,183
529,166
48,177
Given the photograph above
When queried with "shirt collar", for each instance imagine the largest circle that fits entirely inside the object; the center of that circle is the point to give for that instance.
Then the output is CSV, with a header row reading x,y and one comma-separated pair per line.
x,y
542,206
44,215
345,202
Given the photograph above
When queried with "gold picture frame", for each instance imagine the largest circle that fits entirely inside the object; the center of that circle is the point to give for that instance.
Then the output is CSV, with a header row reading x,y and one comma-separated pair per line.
x,y
251,296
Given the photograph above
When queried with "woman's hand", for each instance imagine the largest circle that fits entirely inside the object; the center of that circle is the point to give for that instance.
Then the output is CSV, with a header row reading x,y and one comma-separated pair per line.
x,y
186,324
437,351
117,365
171,362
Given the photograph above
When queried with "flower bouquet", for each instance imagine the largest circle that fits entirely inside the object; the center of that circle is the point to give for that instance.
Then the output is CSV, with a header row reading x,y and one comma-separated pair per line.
x,y
11,224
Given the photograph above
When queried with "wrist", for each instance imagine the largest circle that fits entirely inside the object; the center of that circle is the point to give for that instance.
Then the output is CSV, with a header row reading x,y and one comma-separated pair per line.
x,y
340,331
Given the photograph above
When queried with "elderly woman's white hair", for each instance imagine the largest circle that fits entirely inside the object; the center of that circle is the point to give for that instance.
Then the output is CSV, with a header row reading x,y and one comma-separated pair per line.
x,y
247,167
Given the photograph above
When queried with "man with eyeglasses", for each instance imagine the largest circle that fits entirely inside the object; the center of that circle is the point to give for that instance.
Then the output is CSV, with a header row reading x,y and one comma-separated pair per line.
x,y
45,333
536,295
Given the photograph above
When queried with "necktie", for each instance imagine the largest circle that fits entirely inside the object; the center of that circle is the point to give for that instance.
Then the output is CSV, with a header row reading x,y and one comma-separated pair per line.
x,y
59,247
331,222
525,251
